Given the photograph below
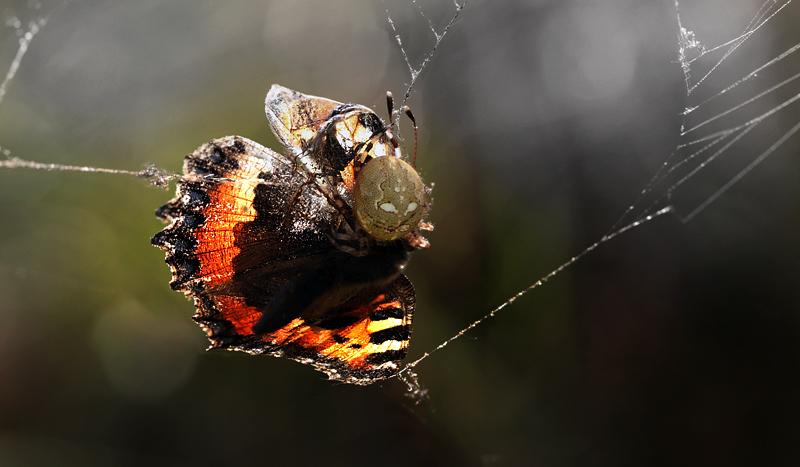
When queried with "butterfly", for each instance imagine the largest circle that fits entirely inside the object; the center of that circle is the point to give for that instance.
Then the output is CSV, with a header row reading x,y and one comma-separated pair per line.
x,y
300,255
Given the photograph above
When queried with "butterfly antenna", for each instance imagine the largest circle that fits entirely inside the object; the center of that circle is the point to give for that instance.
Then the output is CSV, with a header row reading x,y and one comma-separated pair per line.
x,y
414,122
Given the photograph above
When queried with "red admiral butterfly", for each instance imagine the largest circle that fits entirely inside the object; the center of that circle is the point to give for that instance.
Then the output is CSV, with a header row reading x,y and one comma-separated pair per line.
x,y
301,255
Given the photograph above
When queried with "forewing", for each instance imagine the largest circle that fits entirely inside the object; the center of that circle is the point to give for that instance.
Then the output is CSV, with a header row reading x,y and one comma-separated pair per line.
x,y
296,118
239,207
243,222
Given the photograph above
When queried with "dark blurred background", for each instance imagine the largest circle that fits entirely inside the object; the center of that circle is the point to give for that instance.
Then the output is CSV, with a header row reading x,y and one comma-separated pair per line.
x,y
540,122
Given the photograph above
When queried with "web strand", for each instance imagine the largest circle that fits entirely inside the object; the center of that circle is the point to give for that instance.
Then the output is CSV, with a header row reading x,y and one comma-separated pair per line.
x,y
541,281
158,177
748,77
744,172
24,42
686,44
439,37
758,21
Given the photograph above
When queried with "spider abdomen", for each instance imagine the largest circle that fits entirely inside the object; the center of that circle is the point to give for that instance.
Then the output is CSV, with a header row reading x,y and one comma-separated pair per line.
x,y
389,198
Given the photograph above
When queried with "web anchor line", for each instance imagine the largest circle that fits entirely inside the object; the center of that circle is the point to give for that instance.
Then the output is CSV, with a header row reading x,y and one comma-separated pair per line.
x,y
158,177
408,367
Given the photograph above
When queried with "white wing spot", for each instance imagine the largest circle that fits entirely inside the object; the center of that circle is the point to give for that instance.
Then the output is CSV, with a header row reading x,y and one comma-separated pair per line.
x,y
344,140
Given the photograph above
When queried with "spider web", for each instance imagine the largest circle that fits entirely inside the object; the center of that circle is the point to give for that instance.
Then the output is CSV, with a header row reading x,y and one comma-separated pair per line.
x,y
719,115
708,132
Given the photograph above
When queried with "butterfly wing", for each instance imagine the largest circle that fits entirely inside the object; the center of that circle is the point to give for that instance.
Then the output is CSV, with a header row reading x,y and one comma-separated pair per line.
x,y
244,222
358,342
296,118
233,212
